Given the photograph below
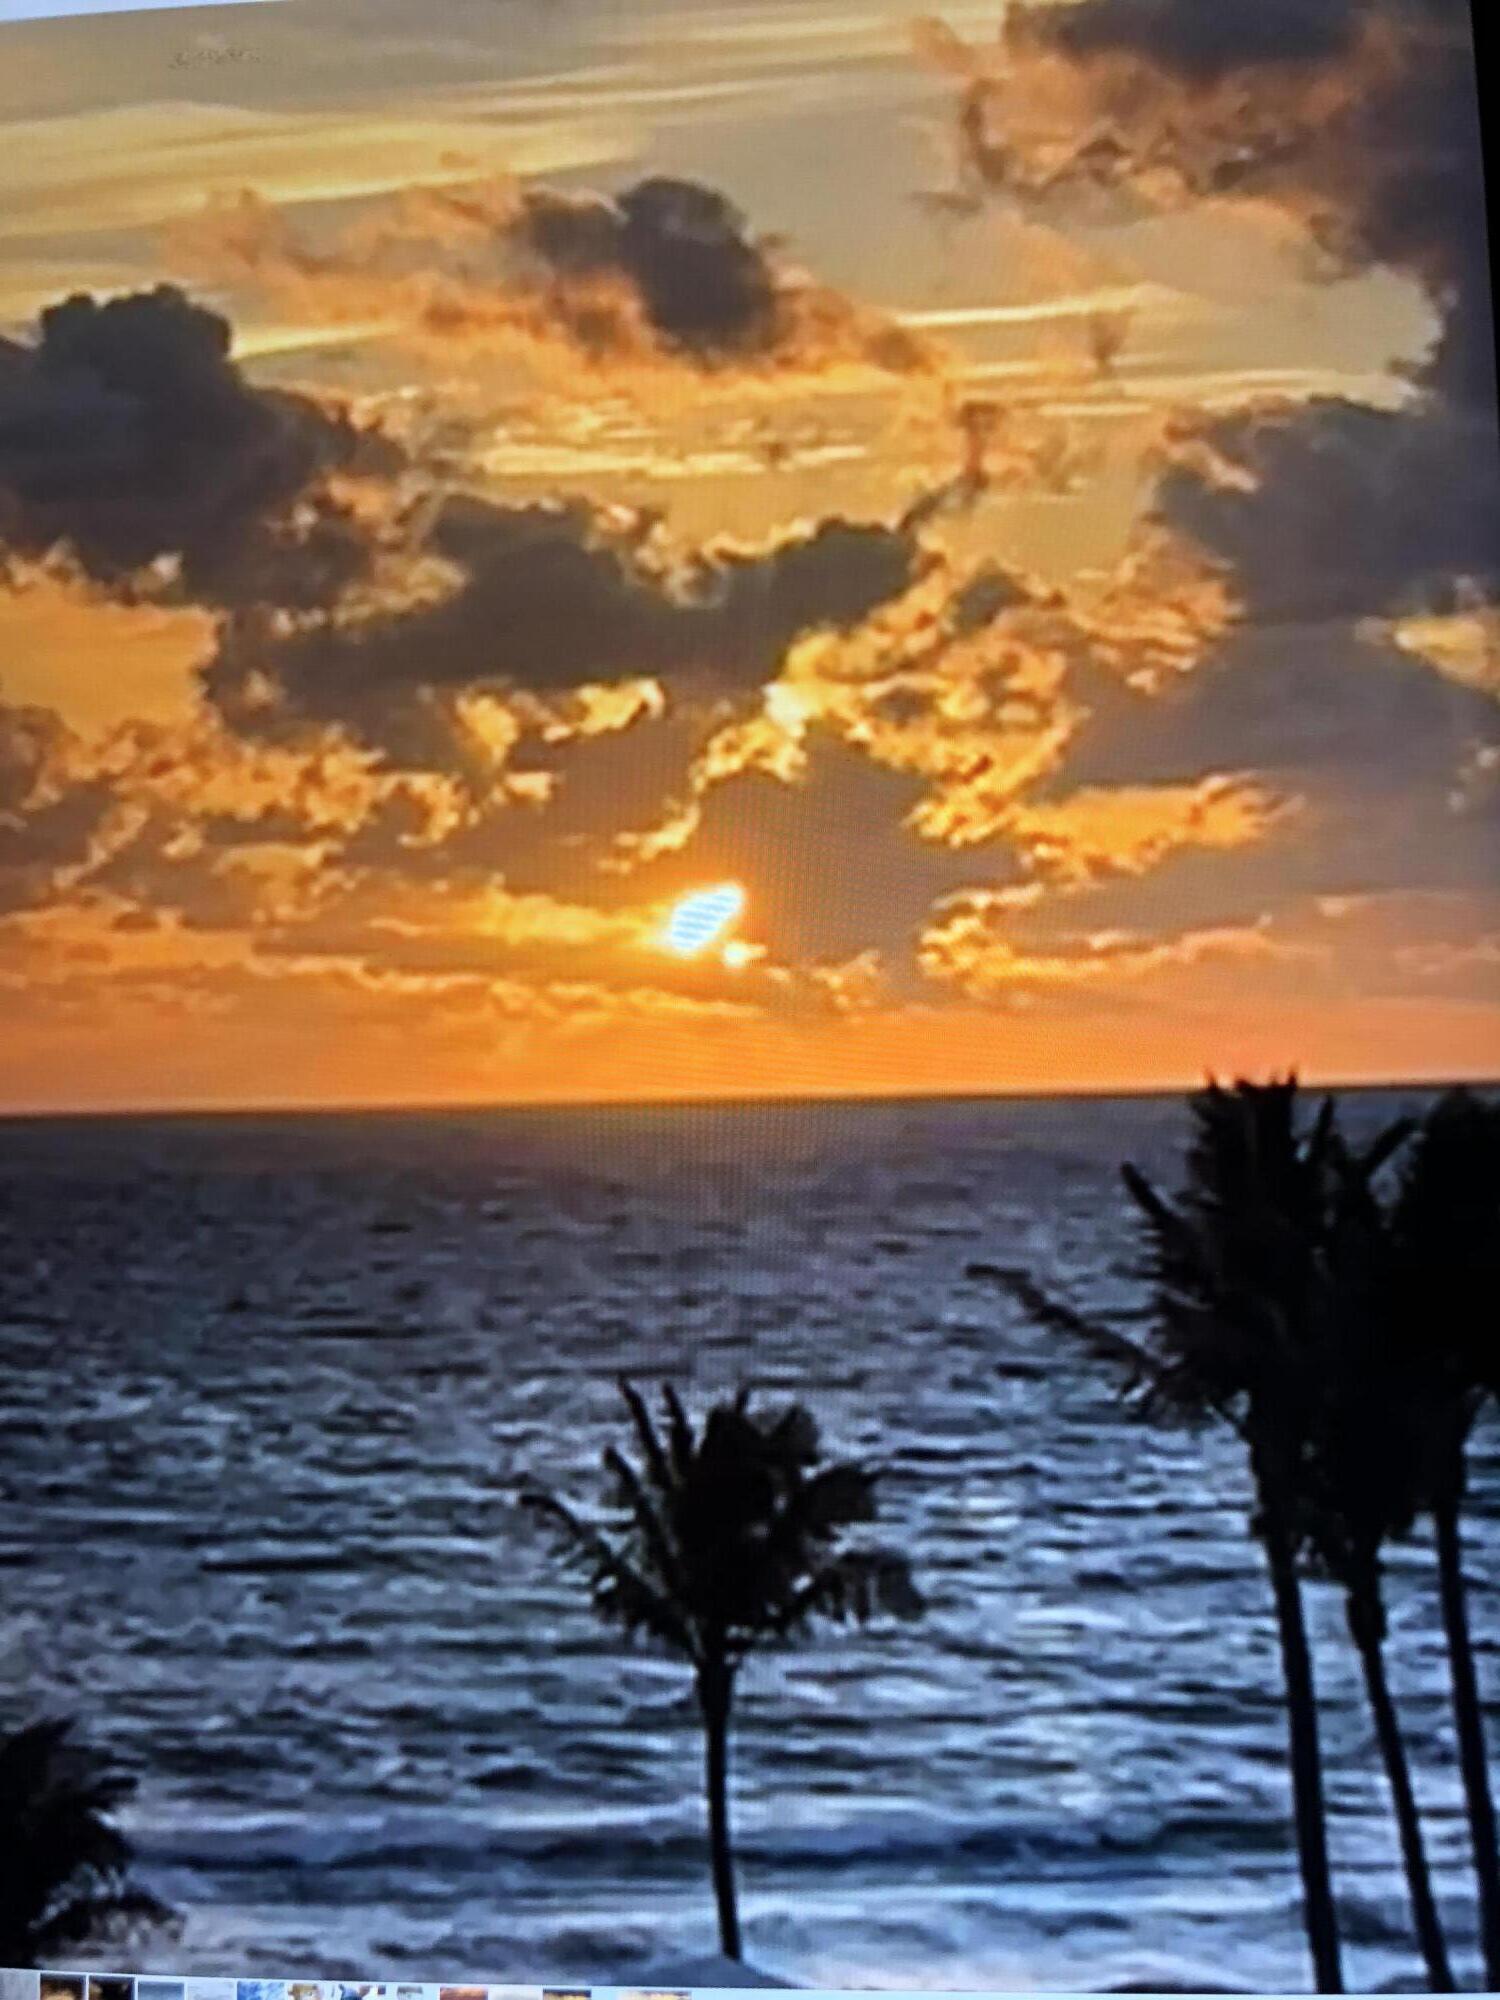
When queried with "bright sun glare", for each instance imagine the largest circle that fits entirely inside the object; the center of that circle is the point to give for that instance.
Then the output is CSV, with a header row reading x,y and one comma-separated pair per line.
x,y
701,918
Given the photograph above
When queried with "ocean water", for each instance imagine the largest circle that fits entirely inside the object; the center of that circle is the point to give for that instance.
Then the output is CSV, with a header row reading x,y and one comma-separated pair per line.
x,y
271,1385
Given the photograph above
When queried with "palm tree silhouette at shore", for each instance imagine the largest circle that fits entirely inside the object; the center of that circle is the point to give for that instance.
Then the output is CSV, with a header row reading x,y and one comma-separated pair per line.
x,y
1445,1279
65,1870
1363,1474
1348,1337
1231,1275
724,1540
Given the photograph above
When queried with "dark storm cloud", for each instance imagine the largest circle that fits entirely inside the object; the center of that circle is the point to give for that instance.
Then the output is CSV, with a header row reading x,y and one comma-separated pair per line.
x,y
1369,743
704,285
1309,707
128,436
605,786
1361,117
1358,120
1348,511
551,597
1203,43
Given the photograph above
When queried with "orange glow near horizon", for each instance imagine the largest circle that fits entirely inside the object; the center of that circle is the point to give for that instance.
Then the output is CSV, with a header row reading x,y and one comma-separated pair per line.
x,y
269,1061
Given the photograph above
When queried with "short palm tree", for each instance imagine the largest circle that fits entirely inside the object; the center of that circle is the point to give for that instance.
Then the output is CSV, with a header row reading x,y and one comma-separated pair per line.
x,y
722,1540
1445,1241
1231,1270
65,1873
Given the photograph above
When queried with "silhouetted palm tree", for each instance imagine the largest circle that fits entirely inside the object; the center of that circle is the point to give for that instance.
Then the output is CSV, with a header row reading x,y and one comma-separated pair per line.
x,y
1362,1479
1231,1267
65,1868
1445,1241
1274,1301
722,1541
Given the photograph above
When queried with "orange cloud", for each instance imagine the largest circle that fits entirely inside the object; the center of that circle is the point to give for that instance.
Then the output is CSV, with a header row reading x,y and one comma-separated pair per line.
x,y
1130,829
969,946
665,275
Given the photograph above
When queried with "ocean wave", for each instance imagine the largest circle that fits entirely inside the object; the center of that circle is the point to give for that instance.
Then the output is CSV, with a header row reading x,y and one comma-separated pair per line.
x,y
454,1844
270,1552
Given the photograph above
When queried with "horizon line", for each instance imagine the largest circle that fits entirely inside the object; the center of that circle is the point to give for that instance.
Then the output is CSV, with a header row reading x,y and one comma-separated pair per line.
x,y
450,1107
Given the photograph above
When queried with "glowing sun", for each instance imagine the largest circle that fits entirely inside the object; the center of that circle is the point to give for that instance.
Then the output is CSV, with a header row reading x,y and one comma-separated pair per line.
x,y
701,919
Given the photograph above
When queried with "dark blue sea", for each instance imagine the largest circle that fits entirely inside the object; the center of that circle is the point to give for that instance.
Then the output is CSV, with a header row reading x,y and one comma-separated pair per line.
x,y
270,1386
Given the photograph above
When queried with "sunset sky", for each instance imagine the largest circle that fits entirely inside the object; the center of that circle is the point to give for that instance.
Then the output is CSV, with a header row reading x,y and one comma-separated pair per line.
x,y
658,548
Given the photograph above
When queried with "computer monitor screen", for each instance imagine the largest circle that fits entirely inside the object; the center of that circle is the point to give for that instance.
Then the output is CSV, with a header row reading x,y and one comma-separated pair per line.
x,y
749,979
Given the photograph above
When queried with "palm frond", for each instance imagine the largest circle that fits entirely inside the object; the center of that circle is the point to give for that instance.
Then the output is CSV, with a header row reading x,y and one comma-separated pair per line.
x,y
65,1875
735,1539
89,1913
794,1435
621,1593
856,1588
1181,1258
655,1539
679,1431
1139,1369
840,1496
1324,1128
1271,1280
1445,1233
1386,1144
652,1450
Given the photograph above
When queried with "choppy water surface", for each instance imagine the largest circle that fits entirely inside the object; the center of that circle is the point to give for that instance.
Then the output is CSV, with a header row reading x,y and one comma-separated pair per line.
x,y
269,1388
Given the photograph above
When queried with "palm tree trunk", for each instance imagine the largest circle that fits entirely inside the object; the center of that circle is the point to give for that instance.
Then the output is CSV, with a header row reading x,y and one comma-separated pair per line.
x,y
1469,1722
1305,1757
715,1693
1367,1627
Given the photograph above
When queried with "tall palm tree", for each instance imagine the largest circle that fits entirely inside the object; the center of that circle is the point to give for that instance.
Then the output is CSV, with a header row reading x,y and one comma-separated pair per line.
x,y
1231,1270
1274,1295
1445,1241
723,1540
1364,1467
65,1872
